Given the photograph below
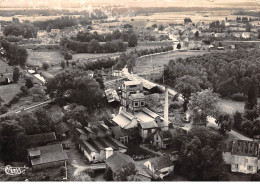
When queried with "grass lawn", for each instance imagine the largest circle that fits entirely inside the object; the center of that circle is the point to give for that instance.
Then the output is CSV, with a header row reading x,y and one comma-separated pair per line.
x,y
5,68
230,107
147,64
7,92
37,58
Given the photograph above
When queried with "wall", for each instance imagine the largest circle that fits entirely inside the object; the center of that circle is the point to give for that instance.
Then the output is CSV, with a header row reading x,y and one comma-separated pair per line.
x,y
243,163
48,165
227,157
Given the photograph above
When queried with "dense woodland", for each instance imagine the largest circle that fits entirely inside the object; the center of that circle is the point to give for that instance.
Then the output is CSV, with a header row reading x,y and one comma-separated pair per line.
x,y
229,74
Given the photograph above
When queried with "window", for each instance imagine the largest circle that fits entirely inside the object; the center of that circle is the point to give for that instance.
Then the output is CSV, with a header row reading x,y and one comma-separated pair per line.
x,y
236,166
93,157
250,168
142,103
132,86
149,131
136,104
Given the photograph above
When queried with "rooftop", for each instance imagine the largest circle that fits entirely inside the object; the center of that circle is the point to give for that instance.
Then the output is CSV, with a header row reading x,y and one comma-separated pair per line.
x,y
118,160
245,148
128,83
161,162
47,154
148,125
42,138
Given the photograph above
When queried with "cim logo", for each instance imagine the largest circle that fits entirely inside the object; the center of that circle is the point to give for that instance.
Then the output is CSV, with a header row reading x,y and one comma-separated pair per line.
x,y
15,170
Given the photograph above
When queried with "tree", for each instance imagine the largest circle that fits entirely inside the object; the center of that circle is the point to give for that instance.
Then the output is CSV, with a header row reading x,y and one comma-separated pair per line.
x,y
21,56
16,74
131,64
200,155
252,94
10,130
1,100
187,85
94,46
161,28
62,64
154,25
29,122
238,119
132,40
76,87
224,122
206,101
178,46
67,57
29,83
123,173
45,66
197,34
187,20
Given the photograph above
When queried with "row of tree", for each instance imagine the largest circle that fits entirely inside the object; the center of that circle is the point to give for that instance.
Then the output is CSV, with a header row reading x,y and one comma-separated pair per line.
x,y
93,46
126,36
14,53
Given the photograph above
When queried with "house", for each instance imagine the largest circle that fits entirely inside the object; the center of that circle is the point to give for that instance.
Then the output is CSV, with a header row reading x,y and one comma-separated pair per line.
x,y
245,35
48,156
162,139
112,95
90,73
118,160
41,33
62,130
117,73
41,139
243,156
55,31
160,166
120,134
136,102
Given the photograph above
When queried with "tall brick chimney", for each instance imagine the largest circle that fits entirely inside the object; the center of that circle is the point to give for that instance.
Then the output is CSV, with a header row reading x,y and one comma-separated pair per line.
x,y
166,108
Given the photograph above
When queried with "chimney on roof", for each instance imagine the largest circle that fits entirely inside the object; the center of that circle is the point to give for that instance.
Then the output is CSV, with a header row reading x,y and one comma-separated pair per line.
x,y
166,107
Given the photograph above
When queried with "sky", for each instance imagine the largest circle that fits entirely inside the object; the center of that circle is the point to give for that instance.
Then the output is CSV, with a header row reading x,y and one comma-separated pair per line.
x,y
141,3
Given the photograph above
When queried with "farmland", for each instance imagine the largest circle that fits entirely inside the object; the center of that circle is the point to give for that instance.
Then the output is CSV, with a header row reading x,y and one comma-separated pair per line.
x,y
147,64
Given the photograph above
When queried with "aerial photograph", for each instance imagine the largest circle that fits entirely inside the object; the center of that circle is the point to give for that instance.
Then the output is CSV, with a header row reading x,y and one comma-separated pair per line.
x,y
129,91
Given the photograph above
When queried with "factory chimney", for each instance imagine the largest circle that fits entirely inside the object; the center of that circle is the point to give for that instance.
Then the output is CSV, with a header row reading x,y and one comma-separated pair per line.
x,y
166,108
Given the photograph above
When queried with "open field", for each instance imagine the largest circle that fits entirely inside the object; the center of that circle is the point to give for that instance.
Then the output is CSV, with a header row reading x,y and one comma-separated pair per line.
x,y
37,58
5,68
7,92
141,21
147,64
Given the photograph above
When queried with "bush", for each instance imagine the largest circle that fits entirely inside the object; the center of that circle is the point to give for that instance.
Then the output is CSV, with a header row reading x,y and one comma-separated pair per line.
x,y
255,177
239,97
175,105
62,171
45,66
90,172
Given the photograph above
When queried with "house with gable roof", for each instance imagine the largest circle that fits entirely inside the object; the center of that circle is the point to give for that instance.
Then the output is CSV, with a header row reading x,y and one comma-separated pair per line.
x,y
159,167
243,156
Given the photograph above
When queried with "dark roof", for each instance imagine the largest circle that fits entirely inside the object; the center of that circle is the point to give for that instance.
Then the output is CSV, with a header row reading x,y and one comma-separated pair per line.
x,y
98,126
87,146
41,138
47,154
61,128
118,160
119,132
161,162
148,125
107,144
245,148
116,142
96,144
137,96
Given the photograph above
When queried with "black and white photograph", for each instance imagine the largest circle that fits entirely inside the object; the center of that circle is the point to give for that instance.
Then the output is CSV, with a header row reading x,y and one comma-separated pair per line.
x,y
129,91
